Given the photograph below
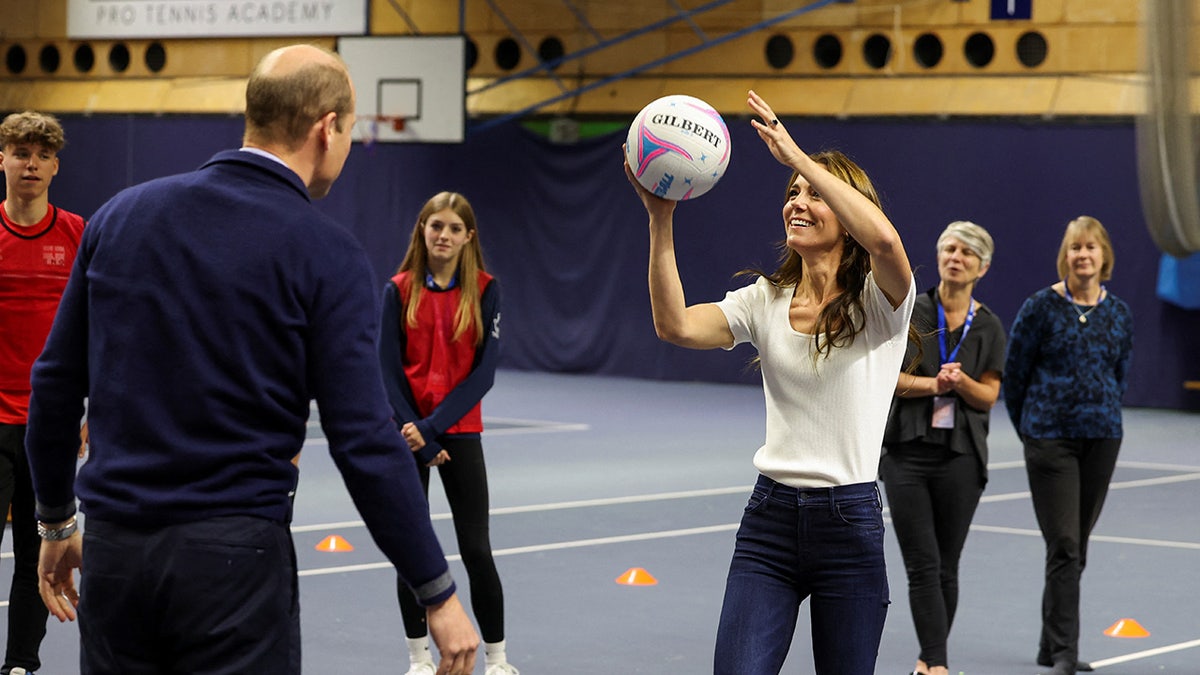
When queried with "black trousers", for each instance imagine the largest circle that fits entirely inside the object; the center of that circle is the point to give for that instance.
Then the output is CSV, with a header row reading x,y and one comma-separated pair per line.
x,y
932,494
1068,478
26,611
214,596
464,479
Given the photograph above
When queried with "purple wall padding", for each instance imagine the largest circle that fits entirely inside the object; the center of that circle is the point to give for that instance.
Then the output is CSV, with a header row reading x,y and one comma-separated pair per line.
x,y
565,234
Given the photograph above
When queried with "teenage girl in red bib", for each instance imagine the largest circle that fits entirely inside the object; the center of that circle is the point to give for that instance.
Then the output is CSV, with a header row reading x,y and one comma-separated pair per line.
x,y
439,345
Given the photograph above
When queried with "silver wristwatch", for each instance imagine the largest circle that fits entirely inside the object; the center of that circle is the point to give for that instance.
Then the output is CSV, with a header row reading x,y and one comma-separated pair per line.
x,y
57,533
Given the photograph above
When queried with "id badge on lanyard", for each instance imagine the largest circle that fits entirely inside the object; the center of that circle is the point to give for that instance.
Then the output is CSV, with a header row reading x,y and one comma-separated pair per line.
x,y
944,406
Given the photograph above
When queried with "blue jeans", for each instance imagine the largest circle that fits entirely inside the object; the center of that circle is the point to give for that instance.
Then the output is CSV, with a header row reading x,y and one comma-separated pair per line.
x,y
796,543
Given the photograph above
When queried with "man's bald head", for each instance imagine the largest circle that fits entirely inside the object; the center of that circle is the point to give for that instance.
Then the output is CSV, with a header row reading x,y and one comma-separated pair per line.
x,y
290,89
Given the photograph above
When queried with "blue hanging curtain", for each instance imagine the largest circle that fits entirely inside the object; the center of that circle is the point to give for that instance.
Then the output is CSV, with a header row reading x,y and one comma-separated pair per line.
x,y
1179,280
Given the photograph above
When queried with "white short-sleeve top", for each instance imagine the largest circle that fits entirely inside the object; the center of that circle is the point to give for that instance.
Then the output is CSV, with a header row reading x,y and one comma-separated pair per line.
x,y
825,417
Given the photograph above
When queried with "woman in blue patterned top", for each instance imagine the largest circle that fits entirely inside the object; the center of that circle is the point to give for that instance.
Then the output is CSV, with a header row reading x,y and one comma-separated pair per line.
x,y
1064,376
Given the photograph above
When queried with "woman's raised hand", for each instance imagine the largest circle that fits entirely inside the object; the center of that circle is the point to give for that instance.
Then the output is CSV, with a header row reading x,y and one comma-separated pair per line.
x,y
771,130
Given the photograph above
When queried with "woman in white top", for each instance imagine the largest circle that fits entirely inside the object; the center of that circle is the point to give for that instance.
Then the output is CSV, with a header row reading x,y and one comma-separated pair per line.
x,y
830,326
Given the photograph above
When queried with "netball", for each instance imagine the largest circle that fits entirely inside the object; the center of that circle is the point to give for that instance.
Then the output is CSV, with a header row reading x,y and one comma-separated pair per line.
x,y
678,147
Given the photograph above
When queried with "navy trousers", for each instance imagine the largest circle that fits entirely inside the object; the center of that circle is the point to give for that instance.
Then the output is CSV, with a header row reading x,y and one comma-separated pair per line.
x,y
214,596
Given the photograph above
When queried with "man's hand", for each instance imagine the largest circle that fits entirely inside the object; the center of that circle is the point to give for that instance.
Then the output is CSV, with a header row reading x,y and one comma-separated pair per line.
x,y
454,636
56,577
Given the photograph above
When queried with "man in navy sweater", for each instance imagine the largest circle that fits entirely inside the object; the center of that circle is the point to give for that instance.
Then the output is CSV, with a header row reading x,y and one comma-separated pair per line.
x,y
203,313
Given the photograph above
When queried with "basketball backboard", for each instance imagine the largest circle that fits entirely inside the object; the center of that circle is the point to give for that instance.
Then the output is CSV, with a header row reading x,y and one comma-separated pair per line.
x,y
410,89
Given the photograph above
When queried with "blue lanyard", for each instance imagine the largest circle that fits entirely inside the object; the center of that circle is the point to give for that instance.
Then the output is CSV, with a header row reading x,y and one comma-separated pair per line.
x,y
942,331
1067,292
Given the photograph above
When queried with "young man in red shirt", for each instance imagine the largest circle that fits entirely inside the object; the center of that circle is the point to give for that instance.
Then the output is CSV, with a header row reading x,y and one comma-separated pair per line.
x,y
37,250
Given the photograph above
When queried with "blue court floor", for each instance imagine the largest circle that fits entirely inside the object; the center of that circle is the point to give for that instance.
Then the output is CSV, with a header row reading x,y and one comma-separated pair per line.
x,y
594,476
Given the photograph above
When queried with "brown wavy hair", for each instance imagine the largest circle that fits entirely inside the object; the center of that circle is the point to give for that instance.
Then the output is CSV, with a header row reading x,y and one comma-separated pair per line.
x,y
836,324
470,264
32,127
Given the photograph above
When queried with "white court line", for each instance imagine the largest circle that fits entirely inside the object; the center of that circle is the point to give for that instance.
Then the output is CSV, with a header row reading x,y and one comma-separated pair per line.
x,y
1133,541
1147,482
1158,467
1119,485
521,426
555,506
528,426
687,494
1152,466
1102,663
1179,646
587,503
717,491
559,546
998,466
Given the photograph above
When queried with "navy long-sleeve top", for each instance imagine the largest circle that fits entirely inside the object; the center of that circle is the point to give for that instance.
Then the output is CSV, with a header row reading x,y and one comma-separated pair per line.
x,y
204,312
465,394
1064,378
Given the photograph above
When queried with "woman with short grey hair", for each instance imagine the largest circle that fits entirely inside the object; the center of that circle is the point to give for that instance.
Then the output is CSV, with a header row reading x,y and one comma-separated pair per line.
x,y
935,447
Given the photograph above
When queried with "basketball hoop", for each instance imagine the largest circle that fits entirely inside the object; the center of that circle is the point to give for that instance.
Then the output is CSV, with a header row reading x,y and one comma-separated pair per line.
x,y
370,127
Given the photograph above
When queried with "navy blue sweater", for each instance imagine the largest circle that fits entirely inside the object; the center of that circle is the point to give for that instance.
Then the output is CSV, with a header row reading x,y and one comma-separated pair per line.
x,y
204,312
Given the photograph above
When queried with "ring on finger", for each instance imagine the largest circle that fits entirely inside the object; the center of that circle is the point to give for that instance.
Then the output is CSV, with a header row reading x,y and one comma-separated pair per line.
x,y
775,122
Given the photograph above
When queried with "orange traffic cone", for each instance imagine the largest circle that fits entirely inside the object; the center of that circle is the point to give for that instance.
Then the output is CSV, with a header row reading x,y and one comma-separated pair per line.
x,y
1127,628
636,576
334,543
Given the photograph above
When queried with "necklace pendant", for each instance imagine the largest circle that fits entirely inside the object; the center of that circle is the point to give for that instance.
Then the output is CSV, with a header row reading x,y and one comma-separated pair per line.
x,y
1082,319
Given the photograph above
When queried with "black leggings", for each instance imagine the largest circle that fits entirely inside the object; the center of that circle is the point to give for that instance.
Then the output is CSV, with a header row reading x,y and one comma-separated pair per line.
x,y
932,493
464,479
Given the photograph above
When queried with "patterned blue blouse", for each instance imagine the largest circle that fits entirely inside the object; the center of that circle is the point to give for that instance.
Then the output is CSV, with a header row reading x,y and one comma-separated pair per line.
x,y
1064,378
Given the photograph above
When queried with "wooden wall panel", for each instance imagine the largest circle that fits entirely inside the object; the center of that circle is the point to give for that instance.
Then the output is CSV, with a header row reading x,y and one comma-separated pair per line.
x,y
1053,11
835,15
1096,49
1092,49
24,96
824,96
626,97
1010,96
436,17
1090,11
527,15
1090,42
901,96
20,19
214,94
1083,95
27,19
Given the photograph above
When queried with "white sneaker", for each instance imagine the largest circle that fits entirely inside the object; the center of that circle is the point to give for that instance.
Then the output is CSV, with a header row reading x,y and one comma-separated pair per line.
x,y
422,668
17,671
501,669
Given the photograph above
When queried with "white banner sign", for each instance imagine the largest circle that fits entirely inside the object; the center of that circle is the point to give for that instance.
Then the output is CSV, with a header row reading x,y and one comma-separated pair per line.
x,y
104,19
